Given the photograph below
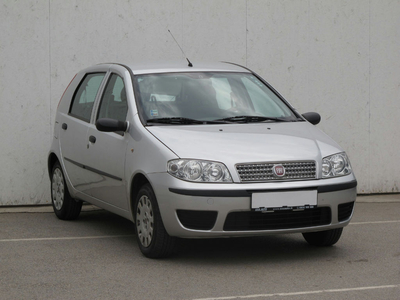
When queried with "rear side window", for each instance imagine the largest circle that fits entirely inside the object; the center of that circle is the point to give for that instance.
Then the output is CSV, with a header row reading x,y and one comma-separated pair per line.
x,y
82,103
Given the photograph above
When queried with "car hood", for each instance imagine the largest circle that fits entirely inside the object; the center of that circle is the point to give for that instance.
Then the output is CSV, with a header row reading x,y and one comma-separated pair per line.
x,y
242,143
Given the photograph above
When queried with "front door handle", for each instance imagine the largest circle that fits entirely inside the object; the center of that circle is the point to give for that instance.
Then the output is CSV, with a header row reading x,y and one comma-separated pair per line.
x,y
92,139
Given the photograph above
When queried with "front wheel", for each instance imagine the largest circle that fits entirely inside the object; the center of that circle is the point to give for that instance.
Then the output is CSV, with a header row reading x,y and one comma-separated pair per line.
x,y
65,207
323,238
152,238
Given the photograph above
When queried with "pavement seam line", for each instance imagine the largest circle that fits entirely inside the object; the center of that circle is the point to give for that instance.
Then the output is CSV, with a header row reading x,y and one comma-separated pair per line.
x,y
305,292
374,222
66,238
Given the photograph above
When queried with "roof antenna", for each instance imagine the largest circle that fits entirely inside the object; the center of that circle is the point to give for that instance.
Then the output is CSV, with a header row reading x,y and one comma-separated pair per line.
x,y
190,64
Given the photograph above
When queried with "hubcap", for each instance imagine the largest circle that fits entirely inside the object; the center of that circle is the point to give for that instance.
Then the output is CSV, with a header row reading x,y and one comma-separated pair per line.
x,y
57,189
145,221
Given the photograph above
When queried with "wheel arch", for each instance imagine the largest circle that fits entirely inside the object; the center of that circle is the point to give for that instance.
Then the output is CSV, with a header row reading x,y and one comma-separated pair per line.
x,y
137,182
51,160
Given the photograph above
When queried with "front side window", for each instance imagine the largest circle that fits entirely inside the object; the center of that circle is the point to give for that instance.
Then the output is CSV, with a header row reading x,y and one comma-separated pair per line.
x,y
114,103
85,95
208,97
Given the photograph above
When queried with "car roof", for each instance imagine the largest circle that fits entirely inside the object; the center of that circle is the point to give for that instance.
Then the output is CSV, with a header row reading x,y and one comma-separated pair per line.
x,y
182,66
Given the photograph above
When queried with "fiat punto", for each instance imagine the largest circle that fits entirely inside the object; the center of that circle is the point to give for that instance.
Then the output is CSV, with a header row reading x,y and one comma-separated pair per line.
x,y
196,151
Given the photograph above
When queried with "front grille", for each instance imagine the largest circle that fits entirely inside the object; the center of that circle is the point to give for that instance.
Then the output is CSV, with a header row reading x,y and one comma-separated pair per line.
x,y
197,219
263,171
254,220
344,211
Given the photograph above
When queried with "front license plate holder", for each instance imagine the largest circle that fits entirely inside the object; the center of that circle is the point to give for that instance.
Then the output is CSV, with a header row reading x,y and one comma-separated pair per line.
x,y
276,201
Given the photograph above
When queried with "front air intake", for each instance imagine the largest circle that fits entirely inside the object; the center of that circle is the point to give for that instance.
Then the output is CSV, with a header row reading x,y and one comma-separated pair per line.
x,y
197,219
254,220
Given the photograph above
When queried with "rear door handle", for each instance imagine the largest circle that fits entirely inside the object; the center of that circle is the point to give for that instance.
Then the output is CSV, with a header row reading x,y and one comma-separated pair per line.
x,y
92,139
64,126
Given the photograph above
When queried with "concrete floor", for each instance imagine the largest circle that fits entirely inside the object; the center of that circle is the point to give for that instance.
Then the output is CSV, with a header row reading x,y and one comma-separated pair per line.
x,y
96,257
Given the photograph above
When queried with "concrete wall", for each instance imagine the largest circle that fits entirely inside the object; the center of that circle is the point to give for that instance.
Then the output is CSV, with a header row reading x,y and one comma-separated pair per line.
x,y
340,58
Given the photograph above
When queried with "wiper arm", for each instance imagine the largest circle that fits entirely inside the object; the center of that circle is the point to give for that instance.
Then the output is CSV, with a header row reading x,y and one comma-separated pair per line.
x,y
249,119
174,120
181,120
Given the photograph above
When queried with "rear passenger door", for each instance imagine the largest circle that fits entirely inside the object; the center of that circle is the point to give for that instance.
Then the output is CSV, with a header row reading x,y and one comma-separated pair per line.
x,y
74,127
107,150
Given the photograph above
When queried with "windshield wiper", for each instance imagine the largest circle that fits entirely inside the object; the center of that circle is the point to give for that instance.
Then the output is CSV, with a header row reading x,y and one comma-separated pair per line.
x,y
249,119
181,120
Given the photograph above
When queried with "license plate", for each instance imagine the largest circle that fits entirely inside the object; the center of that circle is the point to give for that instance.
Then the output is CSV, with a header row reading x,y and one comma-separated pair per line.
x,y
284,200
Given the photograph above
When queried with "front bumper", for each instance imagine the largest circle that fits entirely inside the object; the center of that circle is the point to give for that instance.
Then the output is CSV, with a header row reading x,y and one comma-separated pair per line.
x,y
230,207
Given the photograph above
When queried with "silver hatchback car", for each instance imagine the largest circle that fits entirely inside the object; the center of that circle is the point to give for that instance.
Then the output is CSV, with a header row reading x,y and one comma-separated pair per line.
x,y
202,151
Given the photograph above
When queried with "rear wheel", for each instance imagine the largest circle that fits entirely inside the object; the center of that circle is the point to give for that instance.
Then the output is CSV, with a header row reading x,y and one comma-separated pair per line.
x,y
65,207
323,238
152,238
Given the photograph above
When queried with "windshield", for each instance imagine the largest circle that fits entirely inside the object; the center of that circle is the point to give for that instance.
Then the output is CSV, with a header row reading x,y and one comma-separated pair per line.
x,y
202,98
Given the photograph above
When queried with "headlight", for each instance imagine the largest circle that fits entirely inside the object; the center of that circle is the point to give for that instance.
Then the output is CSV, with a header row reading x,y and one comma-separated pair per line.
x,y
199,170
335,165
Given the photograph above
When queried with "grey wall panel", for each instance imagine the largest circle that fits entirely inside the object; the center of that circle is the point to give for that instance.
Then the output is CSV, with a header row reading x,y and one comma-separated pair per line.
x,y
340,58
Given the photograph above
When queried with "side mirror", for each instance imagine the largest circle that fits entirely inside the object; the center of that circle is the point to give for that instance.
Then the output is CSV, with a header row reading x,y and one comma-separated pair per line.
x,y
111,125
312,117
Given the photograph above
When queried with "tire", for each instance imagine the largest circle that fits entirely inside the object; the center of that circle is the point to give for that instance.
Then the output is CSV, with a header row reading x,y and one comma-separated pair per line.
x,y
65,207
323,238
152,238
